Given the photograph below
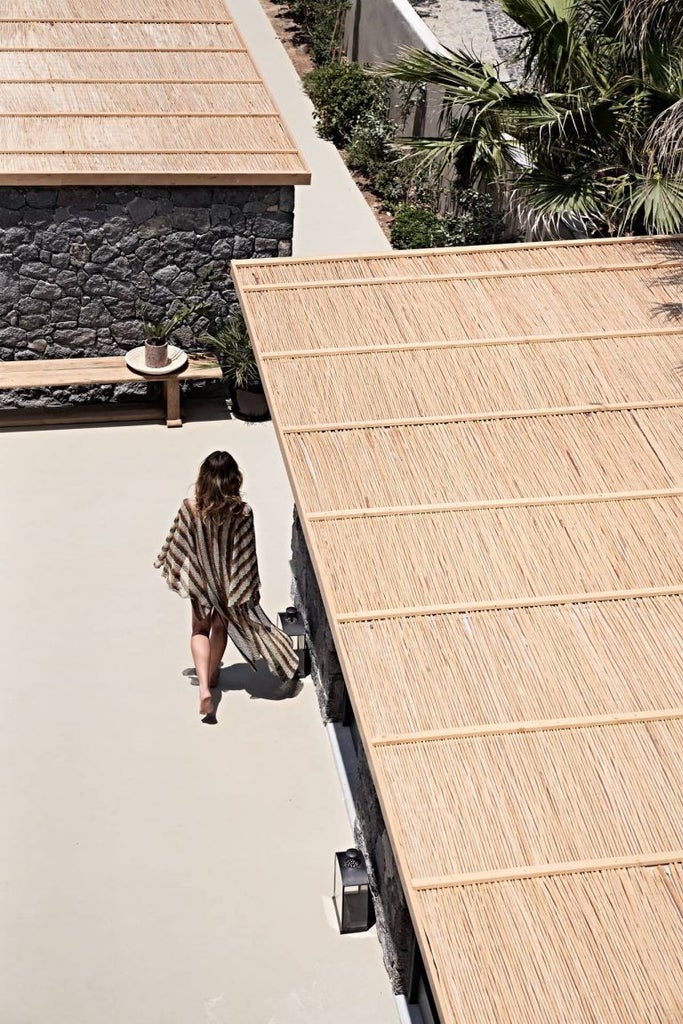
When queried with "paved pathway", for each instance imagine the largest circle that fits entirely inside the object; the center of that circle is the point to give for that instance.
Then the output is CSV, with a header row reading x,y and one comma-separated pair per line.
x,y
331,215
155,870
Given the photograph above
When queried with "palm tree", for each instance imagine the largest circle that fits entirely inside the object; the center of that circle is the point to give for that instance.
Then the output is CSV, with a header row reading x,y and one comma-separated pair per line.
x,y
593,132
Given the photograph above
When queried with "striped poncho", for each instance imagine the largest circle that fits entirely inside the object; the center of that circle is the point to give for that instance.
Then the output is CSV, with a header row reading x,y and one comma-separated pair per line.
x,y
215,565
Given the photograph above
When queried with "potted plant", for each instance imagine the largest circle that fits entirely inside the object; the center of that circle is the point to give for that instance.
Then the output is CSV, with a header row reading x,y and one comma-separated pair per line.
x,y
232,347
158,329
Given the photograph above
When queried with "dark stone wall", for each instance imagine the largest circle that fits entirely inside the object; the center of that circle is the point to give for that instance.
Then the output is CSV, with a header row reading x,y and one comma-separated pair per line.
x,y
74,261
326,671
394,926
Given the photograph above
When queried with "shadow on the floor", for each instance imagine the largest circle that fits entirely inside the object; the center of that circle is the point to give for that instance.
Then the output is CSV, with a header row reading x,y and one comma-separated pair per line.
x,y
260,685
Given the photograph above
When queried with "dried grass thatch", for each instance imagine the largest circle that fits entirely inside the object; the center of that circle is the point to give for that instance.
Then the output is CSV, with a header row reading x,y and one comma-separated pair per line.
x,y
94,92
485,449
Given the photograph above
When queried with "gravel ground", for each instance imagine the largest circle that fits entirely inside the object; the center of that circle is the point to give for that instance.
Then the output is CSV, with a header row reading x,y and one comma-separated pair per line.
x,y
504,32
478,26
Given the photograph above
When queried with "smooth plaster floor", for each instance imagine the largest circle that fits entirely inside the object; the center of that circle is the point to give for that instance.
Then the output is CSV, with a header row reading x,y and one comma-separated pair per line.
x,y
154,869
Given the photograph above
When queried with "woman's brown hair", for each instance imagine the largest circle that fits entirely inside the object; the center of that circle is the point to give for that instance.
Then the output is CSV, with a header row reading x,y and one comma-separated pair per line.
x,y
217,491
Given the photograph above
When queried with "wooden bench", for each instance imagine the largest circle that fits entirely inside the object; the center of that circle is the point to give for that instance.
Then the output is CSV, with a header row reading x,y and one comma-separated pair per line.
x,y
45,373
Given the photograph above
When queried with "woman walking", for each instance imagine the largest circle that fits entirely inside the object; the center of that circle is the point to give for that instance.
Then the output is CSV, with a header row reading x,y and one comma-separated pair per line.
x,y
210,557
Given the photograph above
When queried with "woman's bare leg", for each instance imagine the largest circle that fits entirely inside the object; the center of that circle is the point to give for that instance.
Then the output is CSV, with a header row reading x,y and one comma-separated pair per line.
x,y
218,641
200,645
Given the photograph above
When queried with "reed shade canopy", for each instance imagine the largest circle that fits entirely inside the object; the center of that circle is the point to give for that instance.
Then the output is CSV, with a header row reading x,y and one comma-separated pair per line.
x,y
485,447
117,92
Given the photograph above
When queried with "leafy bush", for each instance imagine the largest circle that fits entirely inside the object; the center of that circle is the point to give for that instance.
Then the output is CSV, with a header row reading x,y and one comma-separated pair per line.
x,y
321,24
405,180
341,93
370,147
475,223
416,227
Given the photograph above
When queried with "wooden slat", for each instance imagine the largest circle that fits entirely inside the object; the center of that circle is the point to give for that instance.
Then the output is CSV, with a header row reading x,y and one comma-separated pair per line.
x,y
115,10
645,860
121,49
145,152
146,20
469,506
218,115
355,282
539,601
542,725
488,414
252,272
130,81
457,343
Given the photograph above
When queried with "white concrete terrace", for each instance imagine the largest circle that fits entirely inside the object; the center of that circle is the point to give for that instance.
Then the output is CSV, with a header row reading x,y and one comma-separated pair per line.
x,y
155,870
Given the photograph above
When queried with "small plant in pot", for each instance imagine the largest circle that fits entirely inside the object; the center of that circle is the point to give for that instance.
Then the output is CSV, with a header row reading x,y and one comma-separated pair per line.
x,y
160,325
232,347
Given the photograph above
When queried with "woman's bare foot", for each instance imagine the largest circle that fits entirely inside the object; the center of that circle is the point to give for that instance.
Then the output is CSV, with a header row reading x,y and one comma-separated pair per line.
x,y
206,705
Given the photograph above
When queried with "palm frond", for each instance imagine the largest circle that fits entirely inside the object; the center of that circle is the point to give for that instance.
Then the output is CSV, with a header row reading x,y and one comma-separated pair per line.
x,y
664,142
543,198
232,347
462,77
656,202
645,21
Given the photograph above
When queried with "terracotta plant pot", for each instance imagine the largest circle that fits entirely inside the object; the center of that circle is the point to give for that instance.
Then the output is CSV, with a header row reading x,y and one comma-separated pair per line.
x,y
156,355
249,402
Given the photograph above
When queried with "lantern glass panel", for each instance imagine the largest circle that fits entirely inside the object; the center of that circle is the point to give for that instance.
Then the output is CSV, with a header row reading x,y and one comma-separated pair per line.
x,y
355,908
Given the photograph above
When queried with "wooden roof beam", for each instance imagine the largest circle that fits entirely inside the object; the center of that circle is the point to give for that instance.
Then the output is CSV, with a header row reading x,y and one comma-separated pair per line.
x,y
467,732
414,346
472,506
643,860
544,600
474,417
483,275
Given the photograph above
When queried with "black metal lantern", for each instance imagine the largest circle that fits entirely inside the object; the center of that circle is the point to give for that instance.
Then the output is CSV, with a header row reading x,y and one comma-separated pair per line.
x,y
292,624
352,892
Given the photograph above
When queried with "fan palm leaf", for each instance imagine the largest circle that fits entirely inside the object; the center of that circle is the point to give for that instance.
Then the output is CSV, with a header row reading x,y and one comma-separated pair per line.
x,y
595,130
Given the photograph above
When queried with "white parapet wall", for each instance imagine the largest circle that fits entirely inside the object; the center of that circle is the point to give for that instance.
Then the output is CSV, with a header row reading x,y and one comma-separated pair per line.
x,y
376,32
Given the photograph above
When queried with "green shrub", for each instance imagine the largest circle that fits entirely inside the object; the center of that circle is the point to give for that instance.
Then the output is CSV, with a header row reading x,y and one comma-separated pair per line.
x,y
416,227
321,24
341,92
476,220
370,147
405,180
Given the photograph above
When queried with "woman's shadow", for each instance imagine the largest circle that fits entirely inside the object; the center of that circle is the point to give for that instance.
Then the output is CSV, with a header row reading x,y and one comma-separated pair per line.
x,y
261,684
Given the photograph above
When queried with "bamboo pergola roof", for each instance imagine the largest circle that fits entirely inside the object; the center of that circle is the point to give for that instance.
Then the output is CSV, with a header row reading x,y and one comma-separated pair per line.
x,y
108,92
485,447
